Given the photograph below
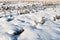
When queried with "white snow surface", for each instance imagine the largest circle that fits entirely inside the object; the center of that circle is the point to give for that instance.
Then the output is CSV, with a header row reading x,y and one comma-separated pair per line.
x,y
50,30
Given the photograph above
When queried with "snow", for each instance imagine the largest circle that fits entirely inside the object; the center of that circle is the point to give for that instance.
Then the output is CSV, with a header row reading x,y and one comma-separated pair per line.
x,y
4,37
50,30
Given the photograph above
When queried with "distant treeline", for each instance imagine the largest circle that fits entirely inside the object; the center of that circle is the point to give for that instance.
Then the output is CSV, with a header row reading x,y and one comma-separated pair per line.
x,y
8,1
41,2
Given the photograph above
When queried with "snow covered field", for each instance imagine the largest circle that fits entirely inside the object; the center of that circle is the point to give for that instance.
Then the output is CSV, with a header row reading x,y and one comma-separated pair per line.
x,y
50,30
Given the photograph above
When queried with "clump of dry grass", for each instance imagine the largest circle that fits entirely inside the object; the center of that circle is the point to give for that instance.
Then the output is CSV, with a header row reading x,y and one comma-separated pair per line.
x,y
56,17
42,20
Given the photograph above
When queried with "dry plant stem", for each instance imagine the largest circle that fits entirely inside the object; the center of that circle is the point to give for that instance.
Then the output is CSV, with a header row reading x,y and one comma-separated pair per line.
x,y
35,23
10,13
42,20
17,12
4,13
